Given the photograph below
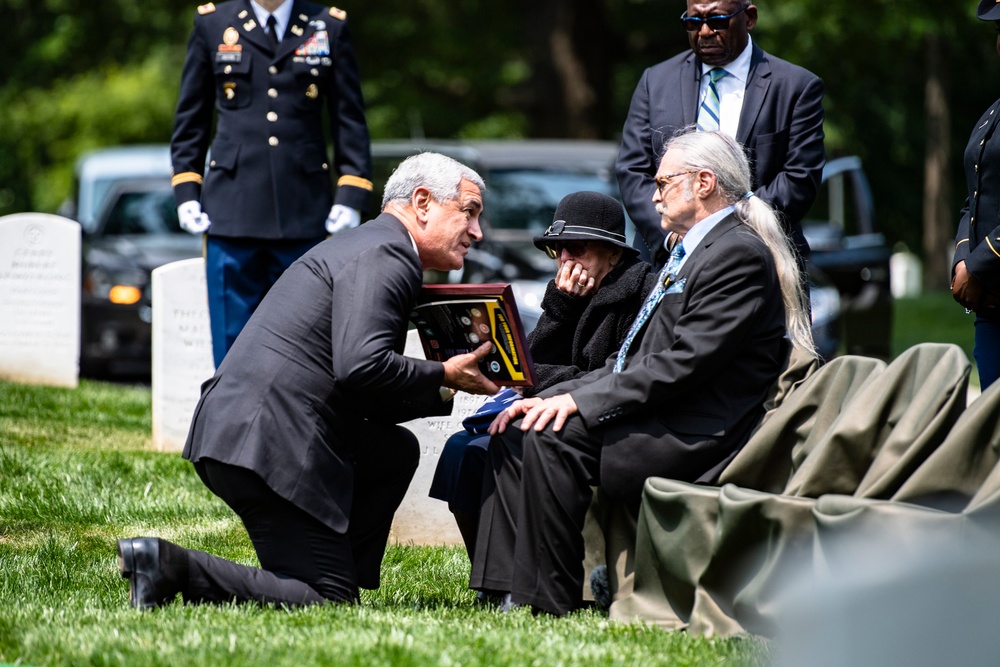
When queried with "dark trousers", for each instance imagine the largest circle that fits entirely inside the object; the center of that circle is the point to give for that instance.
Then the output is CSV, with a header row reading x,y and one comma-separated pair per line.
x,y
238,273
537,491
302,560
986,350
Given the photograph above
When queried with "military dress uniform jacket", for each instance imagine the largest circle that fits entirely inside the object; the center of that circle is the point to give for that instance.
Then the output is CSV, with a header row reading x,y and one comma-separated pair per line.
x,y
322,352
697,373
977,242
269,174
781,128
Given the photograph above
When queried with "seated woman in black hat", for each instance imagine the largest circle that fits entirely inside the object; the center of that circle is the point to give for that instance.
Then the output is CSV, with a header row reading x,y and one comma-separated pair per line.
x,y
588,307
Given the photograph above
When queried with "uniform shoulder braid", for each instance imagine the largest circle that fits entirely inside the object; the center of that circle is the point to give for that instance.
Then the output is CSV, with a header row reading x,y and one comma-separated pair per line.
x,y
206,9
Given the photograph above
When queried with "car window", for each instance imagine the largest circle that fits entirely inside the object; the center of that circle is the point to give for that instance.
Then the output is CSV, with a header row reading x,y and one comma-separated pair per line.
x,y
526,199
143,213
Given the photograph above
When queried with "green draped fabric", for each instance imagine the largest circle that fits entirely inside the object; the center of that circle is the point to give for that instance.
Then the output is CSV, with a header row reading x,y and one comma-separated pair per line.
x,y
856,447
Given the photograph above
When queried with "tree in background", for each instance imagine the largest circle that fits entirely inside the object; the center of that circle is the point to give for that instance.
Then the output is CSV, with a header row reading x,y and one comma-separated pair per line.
x,y
905,83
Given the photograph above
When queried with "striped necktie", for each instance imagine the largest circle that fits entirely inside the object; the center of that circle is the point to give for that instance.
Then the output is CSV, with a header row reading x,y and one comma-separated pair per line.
x,y
666,277
709,113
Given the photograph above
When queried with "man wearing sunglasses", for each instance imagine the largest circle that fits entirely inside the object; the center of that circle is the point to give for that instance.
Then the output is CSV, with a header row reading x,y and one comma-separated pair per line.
x,y
726,82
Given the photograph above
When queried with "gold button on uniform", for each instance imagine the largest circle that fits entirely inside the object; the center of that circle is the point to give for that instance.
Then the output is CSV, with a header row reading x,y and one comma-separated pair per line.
x,y
272,93
273,141
272,69
314,71
228,69
271,116
326,167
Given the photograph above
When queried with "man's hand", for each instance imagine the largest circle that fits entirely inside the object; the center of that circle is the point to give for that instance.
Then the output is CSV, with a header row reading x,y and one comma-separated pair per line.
x,y
462,372
192,219
342,217
966,288
573,279
537,412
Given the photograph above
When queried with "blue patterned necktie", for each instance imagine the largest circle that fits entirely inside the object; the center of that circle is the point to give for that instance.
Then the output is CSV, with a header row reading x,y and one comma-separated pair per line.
x,y
662,282
710,111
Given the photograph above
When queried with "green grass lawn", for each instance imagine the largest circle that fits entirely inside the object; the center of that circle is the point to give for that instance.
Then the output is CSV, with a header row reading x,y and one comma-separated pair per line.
x,y
76,473
932,318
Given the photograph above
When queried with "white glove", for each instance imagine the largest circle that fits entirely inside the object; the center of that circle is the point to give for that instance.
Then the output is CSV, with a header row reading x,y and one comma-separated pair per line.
x,y
192,219
342,217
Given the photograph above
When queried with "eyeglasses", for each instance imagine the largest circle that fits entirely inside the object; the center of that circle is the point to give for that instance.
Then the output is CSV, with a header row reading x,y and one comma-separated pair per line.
x,y
574,248
715,23
663,181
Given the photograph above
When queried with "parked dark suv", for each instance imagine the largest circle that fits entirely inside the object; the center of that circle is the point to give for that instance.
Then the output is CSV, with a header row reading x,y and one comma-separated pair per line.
x,y
134,232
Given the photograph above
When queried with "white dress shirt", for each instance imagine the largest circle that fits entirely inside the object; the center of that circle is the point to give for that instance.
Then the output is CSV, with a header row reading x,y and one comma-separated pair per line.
x,y
282,15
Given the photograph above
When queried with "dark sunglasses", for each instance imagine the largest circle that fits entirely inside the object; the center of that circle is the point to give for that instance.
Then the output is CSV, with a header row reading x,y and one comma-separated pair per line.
x,y
574,248
715,23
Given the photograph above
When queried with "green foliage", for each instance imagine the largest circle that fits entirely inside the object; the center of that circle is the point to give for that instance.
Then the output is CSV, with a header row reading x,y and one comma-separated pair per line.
x,y
75,476
872,58
103,73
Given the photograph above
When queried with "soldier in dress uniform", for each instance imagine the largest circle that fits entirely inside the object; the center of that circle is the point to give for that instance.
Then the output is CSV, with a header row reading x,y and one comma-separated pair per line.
x,y
264,71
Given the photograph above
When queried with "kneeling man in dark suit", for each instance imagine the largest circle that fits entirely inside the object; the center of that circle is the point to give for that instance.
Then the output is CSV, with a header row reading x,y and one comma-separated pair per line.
x,y
297,431
678,399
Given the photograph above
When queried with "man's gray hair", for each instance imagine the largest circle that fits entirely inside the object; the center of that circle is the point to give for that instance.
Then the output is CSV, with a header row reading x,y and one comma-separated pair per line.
x,y
438,173
723,156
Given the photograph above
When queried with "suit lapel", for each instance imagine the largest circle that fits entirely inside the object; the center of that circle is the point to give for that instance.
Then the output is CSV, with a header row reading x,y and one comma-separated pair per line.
x,y
726,224
758,82
690,87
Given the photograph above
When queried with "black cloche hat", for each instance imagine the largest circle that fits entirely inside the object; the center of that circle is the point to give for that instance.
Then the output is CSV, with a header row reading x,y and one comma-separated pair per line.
x,y
587,216
988,10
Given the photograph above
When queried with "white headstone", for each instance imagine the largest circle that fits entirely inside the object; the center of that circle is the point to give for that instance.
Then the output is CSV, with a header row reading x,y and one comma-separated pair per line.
x,y
40,299
182,349
421,519
905,275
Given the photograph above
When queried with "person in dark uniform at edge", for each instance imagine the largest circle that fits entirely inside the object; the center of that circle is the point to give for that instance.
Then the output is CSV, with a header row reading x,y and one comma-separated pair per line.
x,y
297,431
975,274
726,82
266,71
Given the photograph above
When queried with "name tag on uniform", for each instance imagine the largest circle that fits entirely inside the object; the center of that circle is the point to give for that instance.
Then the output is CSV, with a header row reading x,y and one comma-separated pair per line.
x,y
229,53
317,45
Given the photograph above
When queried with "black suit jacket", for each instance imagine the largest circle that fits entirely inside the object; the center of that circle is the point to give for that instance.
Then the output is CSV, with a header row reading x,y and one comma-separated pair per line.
x,y
698,372
978,238
322,351
781,128
270,172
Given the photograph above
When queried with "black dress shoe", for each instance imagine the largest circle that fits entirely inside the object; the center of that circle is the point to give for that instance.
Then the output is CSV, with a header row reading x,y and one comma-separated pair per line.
x,y
508,605
155,569
491,599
